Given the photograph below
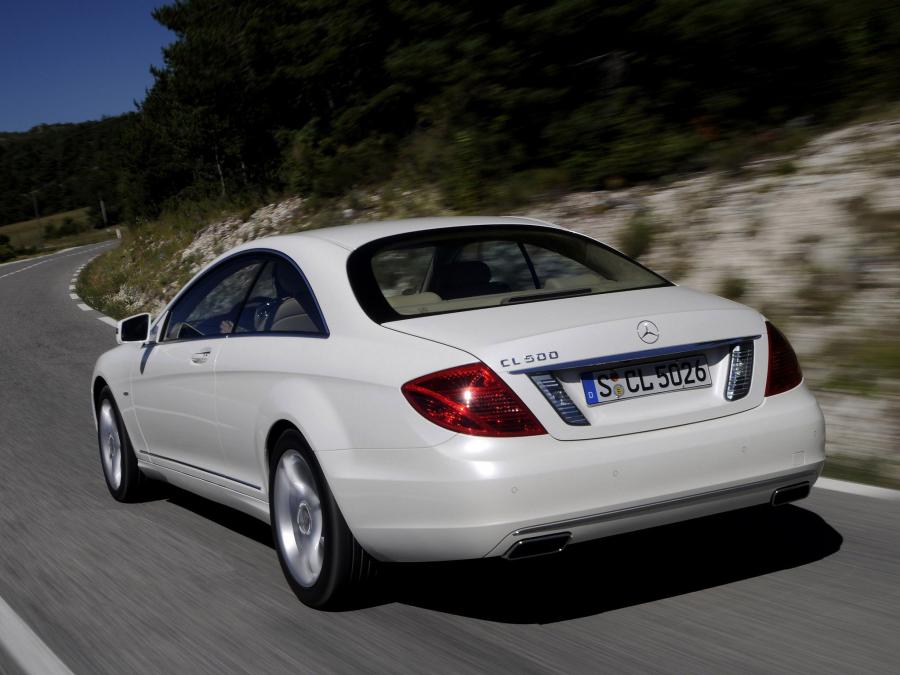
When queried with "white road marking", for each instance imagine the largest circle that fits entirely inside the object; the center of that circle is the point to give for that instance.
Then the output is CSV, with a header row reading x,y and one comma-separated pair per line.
x,y
22,269
46,258
857,489
109,321
37,257
24,647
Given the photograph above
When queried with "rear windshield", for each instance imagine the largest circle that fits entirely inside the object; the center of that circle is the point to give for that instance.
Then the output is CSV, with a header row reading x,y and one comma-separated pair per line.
x,y
469,268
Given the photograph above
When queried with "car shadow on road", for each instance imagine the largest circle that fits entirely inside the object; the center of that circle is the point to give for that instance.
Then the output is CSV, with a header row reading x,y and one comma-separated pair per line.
x,y
585,579
238,522
620,571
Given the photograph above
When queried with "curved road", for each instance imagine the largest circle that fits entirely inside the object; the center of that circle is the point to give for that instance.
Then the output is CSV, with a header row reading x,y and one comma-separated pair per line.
x,y
177,584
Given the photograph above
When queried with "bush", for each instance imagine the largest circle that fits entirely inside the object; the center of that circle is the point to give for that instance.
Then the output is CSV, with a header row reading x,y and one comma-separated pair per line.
x,y
733,287
68,227
785,168
6,252
638,235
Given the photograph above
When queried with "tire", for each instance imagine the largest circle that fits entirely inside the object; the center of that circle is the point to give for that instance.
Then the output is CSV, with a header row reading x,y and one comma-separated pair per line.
x,y
322,561
117,458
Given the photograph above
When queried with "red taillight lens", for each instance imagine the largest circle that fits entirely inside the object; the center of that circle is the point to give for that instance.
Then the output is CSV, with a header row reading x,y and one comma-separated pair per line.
x,y
784,369
473,400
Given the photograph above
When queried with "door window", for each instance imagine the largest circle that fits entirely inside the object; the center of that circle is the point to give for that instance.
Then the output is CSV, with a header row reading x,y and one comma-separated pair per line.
x,y
210,307
280,302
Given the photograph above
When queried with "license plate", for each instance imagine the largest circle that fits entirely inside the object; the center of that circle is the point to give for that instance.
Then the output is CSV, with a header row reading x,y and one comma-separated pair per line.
x,y
645,379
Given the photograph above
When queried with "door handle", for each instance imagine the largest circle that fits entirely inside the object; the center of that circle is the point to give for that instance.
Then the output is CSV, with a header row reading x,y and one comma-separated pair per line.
x,y
200,357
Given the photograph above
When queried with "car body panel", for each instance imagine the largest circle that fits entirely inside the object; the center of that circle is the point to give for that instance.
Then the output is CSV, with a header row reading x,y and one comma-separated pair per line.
x,y
173,394
351,237
336,402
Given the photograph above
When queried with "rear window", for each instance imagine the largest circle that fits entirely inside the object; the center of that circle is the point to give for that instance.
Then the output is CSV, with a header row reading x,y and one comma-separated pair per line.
x,y
469,268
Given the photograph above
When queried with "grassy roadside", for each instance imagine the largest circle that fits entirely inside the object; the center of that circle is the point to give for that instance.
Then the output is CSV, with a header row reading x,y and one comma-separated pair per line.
x,y
148,268
40,236
83,239
870,470
29,233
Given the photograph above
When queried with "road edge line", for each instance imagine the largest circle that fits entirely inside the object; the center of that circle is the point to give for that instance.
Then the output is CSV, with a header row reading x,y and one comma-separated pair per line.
x,y
23,646
109,321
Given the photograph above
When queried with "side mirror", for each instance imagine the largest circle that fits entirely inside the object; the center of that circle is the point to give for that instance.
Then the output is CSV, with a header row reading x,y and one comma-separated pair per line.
x,y
133,329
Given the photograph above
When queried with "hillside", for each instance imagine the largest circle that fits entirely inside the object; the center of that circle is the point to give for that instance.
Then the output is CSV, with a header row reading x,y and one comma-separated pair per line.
x,y
54,168
812,239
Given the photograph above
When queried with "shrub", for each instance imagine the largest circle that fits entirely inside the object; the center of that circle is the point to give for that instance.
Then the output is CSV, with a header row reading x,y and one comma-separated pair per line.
x,y
733,287
69,227
785,168
638,235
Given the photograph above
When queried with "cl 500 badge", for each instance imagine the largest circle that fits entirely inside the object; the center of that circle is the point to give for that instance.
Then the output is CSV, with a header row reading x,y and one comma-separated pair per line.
x,y
528,358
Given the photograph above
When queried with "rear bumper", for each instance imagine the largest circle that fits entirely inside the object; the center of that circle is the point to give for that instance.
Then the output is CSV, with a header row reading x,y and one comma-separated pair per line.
x,y
472,497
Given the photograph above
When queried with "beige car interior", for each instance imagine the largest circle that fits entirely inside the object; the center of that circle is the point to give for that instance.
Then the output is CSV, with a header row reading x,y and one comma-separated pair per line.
x,y
429,302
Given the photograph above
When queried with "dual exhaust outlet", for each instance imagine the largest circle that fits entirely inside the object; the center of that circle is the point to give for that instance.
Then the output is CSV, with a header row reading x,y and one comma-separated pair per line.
x,y
554,543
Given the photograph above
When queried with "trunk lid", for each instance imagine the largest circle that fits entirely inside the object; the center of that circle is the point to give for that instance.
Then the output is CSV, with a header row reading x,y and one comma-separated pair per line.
x,y
570,337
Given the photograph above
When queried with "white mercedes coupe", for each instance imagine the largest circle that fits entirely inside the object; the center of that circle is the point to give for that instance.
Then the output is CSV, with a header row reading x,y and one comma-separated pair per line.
x,y
450,388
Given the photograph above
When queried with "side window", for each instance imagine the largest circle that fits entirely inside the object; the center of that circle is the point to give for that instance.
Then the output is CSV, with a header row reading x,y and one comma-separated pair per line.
x,y
210,306
280,302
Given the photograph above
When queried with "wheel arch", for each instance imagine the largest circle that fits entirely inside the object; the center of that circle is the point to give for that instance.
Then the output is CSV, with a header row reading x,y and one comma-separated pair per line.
x,y
97,388
275,432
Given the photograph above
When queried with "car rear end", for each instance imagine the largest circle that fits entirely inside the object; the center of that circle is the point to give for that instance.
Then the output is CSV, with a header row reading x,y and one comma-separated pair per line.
x,y
581,413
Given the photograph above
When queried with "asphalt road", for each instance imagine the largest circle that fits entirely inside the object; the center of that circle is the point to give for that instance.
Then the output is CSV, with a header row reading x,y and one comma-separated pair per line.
x,y
177,584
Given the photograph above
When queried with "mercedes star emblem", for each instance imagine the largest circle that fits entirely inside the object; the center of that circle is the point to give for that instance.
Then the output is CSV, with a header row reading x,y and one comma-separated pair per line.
x,y
648,332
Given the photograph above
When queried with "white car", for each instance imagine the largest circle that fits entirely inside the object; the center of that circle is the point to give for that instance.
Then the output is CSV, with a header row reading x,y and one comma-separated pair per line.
x,y
450,388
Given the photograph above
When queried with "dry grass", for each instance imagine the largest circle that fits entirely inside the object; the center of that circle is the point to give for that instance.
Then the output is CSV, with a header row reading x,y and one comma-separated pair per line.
x,y
30,233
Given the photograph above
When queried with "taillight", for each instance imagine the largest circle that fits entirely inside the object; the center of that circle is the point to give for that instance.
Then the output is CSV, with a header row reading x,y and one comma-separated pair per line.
x,y
471,399
784,369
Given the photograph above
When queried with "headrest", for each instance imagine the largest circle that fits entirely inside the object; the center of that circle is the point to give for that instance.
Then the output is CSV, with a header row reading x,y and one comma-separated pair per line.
x,y
468,273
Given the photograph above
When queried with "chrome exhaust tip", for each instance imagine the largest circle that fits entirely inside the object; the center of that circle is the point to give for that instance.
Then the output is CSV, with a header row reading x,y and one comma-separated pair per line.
x,y
791,493
537,546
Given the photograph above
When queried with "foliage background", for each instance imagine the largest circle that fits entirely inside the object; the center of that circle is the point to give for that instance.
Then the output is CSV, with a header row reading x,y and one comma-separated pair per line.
x,y
492,102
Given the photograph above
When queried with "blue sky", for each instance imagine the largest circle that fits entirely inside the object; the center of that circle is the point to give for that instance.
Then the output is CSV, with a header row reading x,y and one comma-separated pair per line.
x,y
75,60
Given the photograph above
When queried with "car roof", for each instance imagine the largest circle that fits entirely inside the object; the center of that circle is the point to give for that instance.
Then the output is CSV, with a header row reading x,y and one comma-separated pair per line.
x,y
353,236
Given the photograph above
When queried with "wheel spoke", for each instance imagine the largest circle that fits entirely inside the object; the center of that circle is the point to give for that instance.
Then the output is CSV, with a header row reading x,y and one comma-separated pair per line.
x,y
298,518
110,445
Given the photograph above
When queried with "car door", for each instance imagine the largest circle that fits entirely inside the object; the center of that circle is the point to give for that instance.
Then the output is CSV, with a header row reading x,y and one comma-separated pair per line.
x,y
275,344
174,383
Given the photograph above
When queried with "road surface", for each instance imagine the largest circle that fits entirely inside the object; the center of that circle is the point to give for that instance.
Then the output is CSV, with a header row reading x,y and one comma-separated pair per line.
x,y
179,585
